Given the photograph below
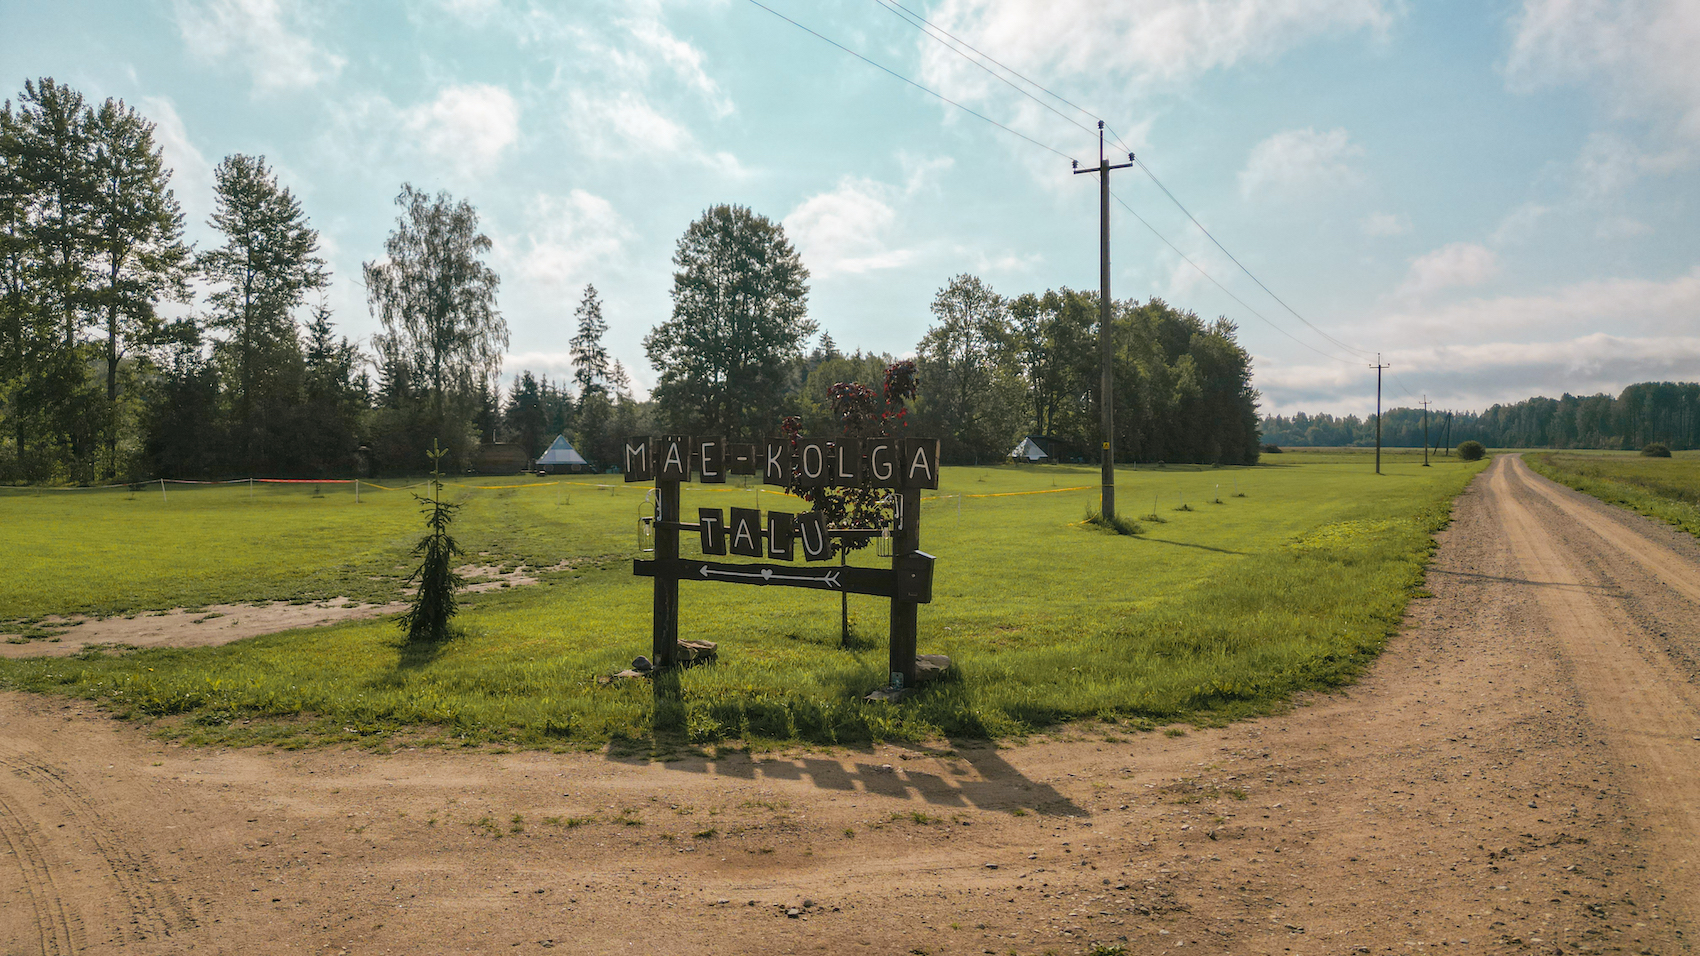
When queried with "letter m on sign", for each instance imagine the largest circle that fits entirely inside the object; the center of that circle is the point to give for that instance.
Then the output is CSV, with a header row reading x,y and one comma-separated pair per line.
x,y
640,460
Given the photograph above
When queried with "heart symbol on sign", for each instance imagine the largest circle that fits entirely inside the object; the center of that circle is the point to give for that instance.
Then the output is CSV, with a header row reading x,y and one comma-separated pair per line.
x,y
766,573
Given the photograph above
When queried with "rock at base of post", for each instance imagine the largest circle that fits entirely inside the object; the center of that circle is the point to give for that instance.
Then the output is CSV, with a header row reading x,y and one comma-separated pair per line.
x,y
928,667
689,654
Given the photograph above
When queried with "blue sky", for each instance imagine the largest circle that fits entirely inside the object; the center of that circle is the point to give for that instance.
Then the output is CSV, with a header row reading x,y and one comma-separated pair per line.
x,y
1500,198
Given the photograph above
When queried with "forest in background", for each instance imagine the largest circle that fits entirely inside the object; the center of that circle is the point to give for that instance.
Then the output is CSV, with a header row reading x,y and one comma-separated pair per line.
x,y
127,354
1643,413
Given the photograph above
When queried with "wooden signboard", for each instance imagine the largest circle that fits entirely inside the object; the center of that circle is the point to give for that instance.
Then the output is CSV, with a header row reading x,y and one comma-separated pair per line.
x,y
905,466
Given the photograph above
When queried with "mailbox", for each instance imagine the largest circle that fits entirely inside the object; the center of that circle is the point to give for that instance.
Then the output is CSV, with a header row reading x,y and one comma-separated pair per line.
x,y
915,577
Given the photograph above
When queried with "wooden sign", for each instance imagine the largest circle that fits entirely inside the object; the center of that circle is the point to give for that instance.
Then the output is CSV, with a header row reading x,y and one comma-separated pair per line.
x,y
906,466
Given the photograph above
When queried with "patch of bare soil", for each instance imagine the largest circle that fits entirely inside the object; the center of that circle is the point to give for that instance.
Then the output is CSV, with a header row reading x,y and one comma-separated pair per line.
x,y
1515,775
208,626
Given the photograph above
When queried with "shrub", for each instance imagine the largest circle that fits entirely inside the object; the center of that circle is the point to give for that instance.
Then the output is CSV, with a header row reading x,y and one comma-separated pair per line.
x,y
1471,451
1272,449
1656,449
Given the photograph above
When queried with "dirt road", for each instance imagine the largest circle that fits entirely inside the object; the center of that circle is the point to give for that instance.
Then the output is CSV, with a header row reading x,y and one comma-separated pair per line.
x,y
1518,774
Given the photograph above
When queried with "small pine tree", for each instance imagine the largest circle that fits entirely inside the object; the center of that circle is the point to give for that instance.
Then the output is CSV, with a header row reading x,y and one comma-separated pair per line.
x,y
434,601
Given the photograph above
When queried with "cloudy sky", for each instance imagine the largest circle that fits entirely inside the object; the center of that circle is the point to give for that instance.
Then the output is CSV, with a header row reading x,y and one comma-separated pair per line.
x,y
1500,198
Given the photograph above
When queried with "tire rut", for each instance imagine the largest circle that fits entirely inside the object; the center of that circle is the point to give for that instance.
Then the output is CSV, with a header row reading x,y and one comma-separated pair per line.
x,y
1649,714
151,911
57,929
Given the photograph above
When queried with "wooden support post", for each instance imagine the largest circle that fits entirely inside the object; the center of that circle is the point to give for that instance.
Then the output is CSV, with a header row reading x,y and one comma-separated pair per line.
x,y
903,613
664,646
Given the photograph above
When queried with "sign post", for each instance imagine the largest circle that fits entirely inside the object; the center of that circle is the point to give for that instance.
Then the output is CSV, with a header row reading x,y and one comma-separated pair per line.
x,y
906,467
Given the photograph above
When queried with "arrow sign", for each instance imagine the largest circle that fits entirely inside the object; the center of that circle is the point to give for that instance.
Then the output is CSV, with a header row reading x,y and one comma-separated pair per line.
x,y
880,582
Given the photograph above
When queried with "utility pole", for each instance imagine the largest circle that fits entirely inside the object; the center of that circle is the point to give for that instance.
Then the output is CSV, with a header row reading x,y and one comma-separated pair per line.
x,y
1447,433
1378,367
1425,430
1106,384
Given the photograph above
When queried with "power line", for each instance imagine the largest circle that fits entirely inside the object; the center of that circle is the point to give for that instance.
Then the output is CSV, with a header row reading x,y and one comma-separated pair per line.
x,y
981,116
1243,269
907,80
1188,259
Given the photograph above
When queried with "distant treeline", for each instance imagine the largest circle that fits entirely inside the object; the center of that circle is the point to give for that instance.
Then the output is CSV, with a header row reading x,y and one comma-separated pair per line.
x,y
1643,413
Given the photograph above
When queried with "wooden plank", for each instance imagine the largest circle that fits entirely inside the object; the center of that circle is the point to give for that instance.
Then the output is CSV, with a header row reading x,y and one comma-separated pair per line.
x,y
878,582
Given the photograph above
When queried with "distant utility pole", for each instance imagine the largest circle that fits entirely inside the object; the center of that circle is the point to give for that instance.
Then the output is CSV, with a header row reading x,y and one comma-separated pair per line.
x,y
1425,404
1446,433
1106,385
1378,367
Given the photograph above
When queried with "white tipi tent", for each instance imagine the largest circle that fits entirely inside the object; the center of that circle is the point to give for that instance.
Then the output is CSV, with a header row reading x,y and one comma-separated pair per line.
x,y
562,456
1029,450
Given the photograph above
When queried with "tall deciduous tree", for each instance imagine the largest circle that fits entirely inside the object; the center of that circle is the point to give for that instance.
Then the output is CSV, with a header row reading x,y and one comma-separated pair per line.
x,y
264,271
973,391
136,238
437,300
739,316
591,371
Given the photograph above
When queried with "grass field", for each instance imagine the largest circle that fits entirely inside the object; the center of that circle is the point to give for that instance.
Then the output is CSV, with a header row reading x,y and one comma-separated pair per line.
x,y
1663,488
1254,583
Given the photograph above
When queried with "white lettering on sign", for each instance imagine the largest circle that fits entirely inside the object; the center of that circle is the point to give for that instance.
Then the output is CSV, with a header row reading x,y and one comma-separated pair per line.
x,y
814,461
882,463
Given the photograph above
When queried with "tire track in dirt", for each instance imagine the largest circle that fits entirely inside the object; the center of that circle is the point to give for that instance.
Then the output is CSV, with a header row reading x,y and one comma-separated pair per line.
x,y
131,895
1650,717
55,929
1681,574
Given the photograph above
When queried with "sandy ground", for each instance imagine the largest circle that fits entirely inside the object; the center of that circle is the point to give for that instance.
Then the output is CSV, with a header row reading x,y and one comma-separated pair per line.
x,y
1520,773
213,624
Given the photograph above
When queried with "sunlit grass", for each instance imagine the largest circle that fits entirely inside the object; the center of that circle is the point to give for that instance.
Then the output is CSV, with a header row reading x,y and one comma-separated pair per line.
x,y
1663,488
1223,610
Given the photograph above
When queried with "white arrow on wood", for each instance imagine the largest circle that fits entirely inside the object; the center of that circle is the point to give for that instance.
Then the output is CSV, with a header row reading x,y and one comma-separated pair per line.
x,y
830,579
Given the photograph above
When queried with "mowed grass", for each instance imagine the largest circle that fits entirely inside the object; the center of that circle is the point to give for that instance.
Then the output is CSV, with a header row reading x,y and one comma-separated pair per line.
x,y
1255,584
1663,488
108,552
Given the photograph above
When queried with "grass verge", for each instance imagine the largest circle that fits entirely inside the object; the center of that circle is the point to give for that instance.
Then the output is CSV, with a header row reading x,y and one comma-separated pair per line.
x,y
1664,488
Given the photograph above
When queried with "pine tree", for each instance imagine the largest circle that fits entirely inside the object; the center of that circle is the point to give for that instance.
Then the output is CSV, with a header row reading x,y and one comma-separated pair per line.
x,y
434,604
590,357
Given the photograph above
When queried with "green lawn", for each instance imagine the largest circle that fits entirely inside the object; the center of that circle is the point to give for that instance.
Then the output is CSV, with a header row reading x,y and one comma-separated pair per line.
x,y
1663,488
1222,609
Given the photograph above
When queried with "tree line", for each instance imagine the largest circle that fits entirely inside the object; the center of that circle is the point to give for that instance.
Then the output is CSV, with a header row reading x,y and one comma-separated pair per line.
x,y
1643,413
126,353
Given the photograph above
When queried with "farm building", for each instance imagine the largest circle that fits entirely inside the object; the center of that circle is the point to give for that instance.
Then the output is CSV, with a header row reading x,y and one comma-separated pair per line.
x,y
499,459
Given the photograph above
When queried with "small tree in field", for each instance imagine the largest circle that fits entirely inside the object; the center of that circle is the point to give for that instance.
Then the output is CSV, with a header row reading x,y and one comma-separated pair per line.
x,y
860,414
1471,451
434,601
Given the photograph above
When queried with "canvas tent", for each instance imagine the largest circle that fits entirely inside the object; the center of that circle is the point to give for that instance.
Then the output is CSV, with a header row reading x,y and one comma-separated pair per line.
x,y
562,457
1029,450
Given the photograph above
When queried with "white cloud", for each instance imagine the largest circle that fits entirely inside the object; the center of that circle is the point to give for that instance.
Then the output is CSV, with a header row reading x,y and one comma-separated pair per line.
x,y
1385,224
1107,53
191,174
565,238
1520,223
264,36
467,127
1626,306
846,230
1299,159
1452,265
1620,227
1640,53
625,126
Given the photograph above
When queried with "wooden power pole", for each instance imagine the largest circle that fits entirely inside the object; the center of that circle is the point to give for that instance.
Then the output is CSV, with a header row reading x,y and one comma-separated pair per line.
x,y
1425,404
1378,368
1106,383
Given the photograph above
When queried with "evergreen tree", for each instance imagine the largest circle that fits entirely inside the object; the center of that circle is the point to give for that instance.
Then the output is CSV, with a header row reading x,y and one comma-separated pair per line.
x,y
136,240
589,355
263,272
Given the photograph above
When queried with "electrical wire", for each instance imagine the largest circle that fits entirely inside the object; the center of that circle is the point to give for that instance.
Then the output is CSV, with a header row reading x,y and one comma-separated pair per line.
x,y
1147,170
890,4
916,85
916,20
1229,294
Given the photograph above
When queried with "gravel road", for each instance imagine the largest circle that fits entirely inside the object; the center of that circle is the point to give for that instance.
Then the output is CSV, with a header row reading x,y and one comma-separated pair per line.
x,y
1518,773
